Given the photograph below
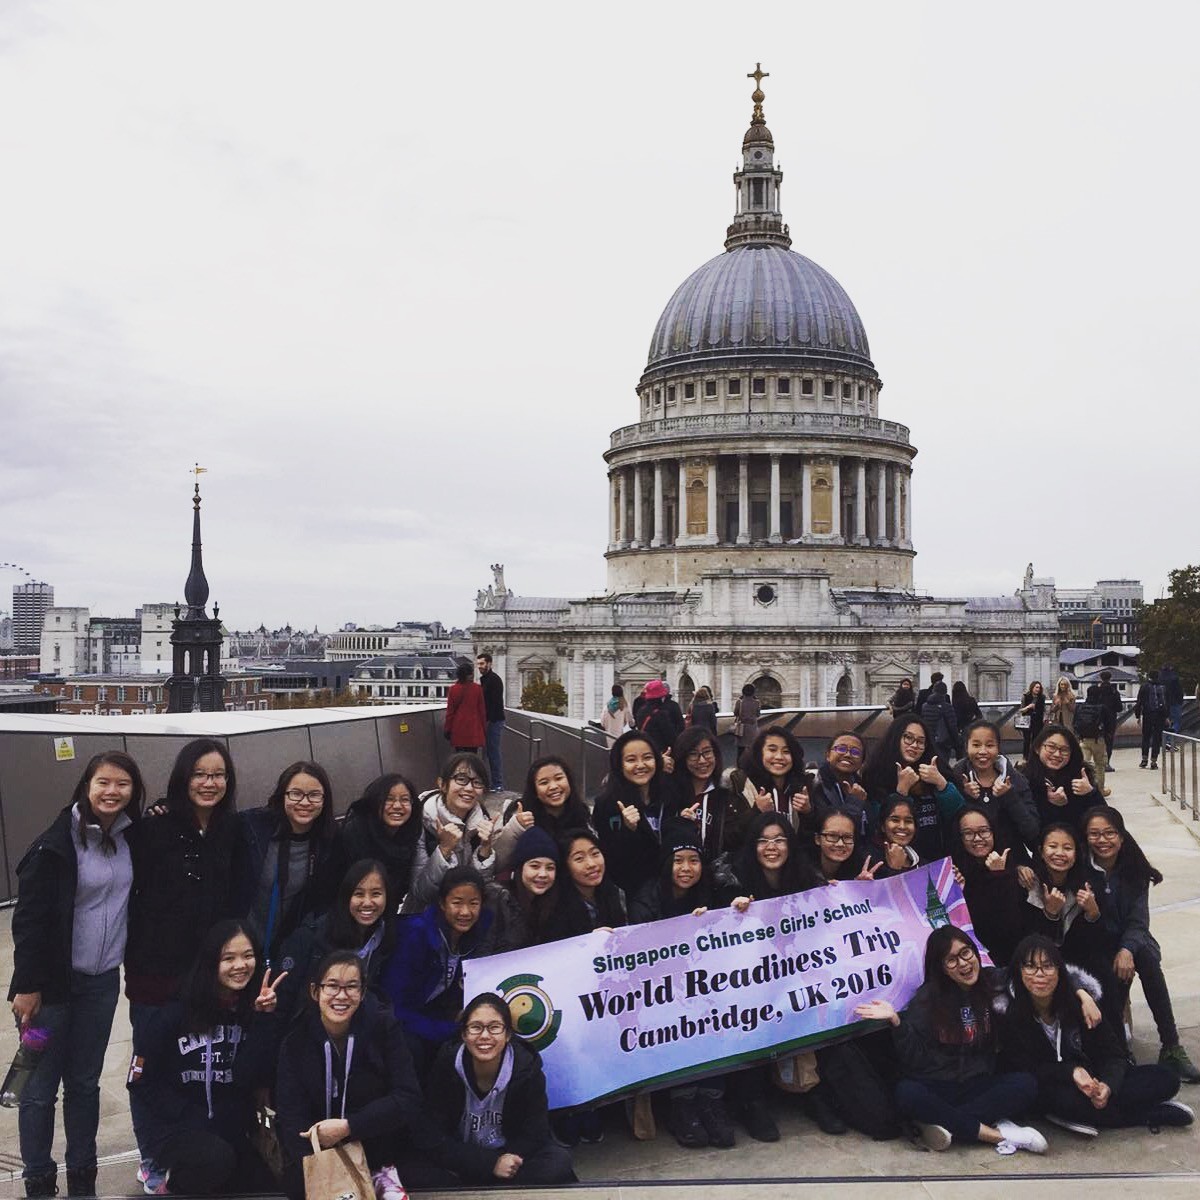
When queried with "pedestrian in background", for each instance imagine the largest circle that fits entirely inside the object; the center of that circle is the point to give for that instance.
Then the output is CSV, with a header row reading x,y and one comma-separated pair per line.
x,y
493,703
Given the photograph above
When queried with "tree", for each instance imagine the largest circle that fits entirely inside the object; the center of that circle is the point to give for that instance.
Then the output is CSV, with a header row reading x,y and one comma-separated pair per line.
x,y
1171,628
544,696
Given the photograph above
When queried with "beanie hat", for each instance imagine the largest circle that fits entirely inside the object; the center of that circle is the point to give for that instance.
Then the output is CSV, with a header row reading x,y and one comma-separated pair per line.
x,y
534,843
681,837
655,690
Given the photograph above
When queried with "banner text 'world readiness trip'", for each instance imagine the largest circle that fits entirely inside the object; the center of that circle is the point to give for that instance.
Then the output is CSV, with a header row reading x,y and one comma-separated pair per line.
x,y
611,1013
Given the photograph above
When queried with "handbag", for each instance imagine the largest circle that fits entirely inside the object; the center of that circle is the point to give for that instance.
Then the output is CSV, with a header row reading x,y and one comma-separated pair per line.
x,y
1022,721
796,1072
339,1173
265,1139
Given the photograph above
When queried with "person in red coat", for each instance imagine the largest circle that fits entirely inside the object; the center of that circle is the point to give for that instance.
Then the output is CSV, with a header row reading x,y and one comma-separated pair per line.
x,y
465,726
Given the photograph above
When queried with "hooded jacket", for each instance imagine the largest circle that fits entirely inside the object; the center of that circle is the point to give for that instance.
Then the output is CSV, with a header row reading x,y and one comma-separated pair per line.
x,y
364,835
1013,814
429,864
966,1052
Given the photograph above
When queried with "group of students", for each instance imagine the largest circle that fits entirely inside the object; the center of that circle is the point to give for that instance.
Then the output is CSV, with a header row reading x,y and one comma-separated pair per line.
x,y
273,952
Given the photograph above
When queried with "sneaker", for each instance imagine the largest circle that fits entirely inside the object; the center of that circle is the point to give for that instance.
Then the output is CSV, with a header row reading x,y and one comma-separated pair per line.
x,y
818,1109
1170,1113
1109,767
717,1124
1074,1126
935,1137
387,1185
1154,764
42,1185
1024,1137
1142,763
1176,1057
684,1122
153,1180
759,1123
81,1181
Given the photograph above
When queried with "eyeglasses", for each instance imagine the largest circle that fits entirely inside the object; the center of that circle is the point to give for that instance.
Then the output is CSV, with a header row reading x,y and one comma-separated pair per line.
x,y
772,841
704,755
848,751
1102,835
209,776
467,781
837,839
964,958
331,988
911,739
976,835
492,1029
296,796
402,802
1055,749
1042,969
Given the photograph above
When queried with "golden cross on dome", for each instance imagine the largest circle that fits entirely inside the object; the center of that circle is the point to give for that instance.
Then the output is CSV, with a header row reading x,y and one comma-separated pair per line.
x,y
758,75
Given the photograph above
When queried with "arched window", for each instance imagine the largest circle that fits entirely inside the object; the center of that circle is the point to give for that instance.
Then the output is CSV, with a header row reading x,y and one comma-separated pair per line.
x,y
845,691
687,689
768,692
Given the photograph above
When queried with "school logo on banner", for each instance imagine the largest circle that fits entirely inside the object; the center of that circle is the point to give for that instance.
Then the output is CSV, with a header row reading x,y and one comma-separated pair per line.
x,y
535,1019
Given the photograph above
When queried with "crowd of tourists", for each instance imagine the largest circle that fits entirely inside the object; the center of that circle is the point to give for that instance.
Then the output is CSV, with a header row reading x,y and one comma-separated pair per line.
x,y
275,957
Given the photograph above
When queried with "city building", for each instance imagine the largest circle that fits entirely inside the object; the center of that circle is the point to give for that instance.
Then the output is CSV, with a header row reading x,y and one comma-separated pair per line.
x,y
296,678
760,509
18,666
30,603
1108,614
132,695
6,633
425,637
75,642
405,678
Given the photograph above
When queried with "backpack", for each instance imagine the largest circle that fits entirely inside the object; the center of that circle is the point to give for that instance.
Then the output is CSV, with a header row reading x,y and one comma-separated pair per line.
x,y
1089,720
1156,700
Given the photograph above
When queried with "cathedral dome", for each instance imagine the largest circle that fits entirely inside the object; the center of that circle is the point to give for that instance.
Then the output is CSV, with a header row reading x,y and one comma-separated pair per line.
x,y
755,300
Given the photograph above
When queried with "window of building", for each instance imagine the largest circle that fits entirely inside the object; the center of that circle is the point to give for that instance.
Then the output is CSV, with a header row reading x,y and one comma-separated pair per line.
x,y
756,193
735,387
827,389
710,387
671,394
102,693
806,387
121,695
783,386
689,391
657,397
860,393
845,391
758,387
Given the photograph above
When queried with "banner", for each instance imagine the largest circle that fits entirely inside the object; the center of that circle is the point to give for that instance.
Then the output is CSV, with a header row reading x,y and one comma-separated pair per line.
x,y
650,1004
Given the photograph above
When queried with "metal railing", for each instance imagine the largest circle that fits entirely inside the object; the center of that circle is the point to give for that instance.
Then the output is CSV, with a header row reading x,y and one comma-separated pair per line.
x,y
1180,752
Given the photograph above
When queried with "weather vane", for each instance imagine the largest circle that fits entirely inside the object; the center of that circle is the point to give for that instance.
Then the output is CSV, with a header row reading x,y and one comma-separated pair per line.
x,y
197,470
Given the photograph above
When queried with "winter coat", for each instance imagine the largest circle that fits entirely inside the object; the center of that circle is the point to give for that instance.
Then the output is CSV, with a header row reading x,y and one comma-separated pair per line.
x,y
493,695
704,715
614,721
415,979
1083,943
1124,911
965,1053
572,917
630,855
466,715
574,814
1000,913
190,1081
662,722
525,1120
722,820
383,1102
182,886
938,715
1013,815
1062,710
747,710
430,864
44,918
364,835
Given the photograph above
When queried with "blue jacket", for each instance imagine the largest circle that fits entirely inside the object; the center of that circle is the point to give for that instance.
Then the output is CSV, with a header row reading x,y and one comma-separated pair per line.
x,y
417,971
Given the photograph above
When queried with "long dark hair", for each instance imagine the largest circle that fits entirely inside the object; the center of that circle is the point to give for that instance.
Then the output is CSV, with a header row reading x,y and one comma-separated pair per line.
x,y
963,859
203,1004
344,931
608,902
751,761
692,739
1039,775
1077,875
798,874
181,775
323,826
617,786
370,805
1133,868
879,775
1063,1003
947,998
79,797
575,811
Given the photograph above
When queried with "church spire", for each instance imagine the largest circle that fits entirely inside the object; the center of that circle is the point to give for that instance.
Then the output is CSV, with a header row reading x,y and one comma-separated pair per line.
x,y
195,591
758,220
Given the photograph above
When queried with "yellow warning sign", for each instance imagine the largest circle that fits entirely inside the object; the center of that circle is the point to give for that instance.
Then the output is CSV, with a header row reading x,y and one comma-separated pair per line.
x,y
64,749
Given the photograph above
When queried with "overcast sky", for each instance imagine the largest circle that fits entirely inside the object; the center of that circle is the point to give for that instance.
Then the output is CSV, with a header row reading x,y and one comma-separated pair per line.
x,y
390,273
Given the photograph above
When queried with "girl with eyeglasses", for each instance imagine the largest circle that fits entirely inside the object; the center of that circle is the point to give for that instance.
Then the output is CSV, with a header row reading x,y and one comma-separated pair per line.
x,y
487,1105
904,765
69,932
699,801
383,824
457,830
629,810
424,977
345,1074
201,1060
550,801
837,784
770,776
1085,1081
1121,877
1000,914
1062,785
838,854
287,864
946,1041
182,886
987,779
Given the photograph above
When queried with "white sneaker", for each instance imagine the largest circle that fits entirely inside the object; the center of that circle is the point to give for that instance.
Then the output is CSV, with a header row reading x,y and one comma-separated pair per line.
x,y
1074,1126
935,1137
1024,1137
387,1185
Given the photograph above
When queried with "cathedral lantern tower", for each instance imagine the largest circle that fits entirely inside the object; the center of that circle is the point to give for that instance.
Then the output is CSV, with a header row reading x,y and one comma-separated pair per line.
x,y
196,684
759,445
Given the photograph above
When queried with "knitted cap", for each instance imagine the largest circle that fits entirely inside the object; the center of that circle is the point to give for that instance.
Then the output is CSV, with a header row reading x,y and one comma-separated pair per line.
x,y
534,843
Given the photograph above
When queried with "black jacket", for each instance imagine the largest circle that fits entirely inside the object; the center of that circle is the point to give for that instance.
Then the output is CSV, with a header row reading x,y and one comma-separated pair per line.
x,y
1013,815
525,1121
43,922
571,917
363,835
704,715
383,1099
1000,913
631,855
1024,1046
182,886
967,1053
493,695
662,722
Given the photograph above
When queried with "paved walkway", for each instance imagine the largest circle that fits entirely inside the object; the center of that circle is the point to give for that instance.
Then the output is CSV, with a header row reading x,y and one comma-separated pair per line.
x,y
1163,1166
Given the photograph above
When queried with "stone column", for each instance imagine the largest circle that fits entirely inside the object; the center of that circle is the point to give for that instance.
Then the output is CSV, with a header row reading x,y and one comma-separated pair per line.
x,y
681,535
836,531
658,539
805,498
908,537
726,698
881,503
860,502
775,536
589,711
743,534
897,500
711,526
637,506
608,674
622,512
612,511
